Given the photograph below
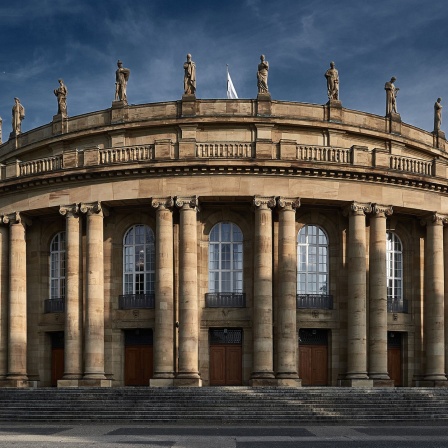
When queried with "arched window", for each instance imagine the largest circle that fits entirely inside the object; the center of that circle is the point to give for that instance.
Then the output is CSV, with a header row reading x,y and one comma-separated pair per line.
x,y
394,257
138,260
312,261
57,266
225,259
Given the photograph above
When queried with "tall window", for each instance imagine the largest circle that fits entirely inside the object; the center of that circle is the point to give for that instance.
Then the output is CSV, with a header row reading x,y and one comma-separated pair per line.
x,y
226,258
138,260
312,261
57,266
394,257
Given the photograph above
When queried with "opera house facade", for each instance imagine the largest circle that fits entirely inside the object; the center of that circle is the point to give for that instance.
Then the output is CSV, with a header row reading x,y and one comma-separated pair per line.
x,y
223,242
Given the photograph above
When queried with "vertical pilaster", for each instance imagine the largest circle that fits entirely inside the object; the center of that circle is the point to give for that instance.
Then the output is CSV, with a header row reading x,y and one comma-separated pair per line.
x,y
287,303
433,311
94,313
73,302
164,292
188,294
263,371
356,301
4,281
378,297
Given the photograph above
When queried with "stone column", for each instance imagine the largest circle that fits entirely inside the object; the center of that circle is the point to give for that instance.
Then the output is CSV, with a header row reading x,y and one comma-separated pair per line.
x,y
164,292
188,374
433,307
263,370
73,298
287,300
378,297
356,303
94,313
445,268
4,276
17,328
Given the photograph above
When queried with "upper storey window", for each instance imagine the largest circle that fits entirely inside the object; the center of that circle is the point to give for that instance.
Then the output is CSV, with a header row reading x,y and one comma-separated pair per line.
x,y
57,266
312,261
394,257
226,259
138,260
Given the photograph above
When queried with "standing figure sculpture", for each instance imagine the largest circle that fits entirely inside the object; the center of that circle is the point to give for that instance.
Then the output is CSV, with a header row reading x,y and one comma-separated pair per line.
x,y
61,93
262,75
121,82
189,76
18,114
332,76
437,114
391,96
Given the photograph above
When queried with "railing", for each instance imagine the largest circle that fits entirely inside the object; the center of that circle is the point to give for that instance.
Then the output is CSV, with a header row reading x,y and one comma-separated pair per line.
x,y
397,305
54,305
416,166
224,150
126,154
315,301
134,301
225,300
324,154
41,165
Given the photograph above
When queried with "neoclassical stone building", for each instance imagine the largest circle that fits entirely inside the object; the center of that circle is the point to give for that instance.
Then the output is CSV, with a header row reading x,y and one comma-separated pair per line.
x,y
223,242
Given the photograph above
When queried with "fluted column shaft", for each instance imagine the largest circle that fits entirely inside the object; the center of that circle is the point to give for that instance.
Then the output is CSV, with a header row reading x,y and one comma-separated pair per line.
x,y
356,306
164,290
17,328
94,315
434,301
262,302
287,300
188,290
378,294
4,281
73,310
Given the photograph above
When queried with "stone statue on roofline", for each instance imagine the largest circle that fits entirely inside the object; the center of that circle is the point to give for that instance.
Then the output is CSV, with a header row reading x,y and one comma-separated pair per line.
x,y
18,114
262,76
121,82
61,94
332,76
189,76
391,96
437,115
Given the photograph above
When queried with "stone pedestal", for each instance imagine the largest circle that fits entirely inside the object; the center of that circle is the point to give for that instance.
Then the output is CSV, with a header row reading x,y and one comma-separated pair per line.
x,y
354,382
378,294
356,304
73,302
394,123
262,303
439,140
263,382
188,105
286,329
60,124
164,293
119,112
264,104
334,108
188,374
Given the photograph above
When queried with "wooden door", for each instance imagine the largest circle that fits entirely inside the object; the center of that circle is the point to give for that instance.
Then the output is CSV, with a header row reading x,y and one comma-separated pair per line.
x,y
305,367
394,365
313,365
138,365
57,365
225,365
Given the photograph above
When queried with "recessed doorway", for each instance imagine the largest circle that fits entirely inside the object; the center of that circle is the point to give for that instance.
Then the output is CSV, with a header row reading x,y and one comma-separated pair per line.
x,y
138,357
313,357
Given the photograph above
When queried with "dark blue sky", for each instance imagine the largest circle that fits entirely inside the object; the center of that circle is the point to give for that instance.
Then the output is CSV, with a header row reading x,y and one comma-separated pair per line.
x,y
80,41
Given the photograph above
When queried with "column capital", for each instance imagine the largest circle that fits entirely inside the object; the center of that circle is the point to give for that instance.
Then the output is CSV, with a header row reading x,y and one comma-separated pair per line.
x,y
162,203
69,211
288,203
357,208
381,211
16,218
264,202
434,219
93,208
186,202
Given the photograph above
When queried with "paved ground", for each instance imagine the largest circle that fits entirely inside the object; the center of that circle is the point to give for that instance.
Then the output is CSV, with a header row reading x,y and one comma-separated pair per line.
x,y
129,436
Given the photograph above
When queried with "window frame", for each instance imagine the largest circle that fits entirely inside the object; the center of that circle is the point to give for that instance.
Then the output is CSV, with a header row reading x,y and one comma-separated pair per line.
x,y
391,267
57,262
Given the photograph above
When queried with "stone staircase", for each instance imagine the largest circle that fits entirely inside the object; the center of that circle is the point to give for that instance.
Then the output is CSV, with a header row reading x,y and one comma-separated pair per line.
x,y
228,405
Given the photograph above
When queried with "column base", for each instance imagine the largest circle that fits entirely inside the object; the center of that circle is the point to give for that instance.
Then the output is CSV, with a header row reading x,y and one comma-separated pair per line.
x,y
68,383
187,382
383,383
263,382
161,382
431,383
92,383
355,382
289,382
18,384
